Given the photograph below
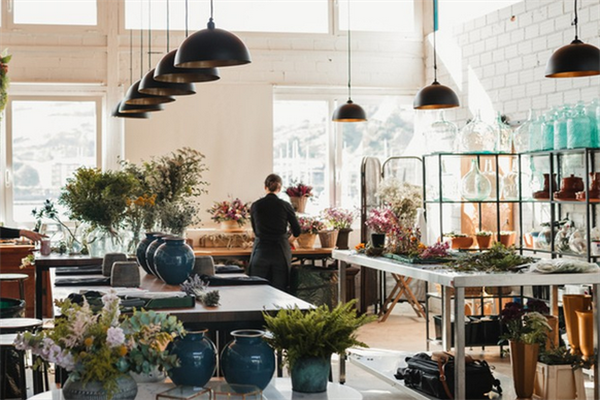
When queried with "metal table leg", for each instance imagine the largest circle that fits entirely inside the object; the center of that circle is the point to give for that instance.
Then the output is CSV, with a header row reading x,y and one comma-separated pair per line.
x,y
459,343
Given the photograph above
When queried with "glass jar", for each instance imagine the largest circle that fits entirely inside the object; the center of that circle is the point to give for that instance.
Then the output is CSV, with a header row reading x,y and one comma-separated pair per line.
x,y
477,137
490,174
547,129
503,136
441,136
474,185
560,127
535,133
521,134
509,187
579,129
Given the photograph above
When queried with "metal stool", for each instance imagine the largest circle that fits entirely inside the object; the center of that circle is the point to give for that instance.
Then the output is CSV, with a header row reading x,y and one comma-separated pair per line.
x,y
16,278
9,327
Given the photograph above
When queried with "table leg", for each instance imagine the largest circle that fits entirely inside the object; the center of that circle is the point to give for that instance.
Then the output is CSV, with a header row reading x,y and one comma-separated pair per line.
x,y
446,321
459,343
39,274
342,299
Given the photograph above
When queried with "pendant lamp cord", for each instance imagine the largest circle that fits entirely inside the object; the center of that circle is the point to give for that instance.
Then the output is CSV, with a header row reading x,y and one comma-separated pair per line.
x,y
186,18
574,23
149,33
434,41
141,39
168,26
349,57
130,57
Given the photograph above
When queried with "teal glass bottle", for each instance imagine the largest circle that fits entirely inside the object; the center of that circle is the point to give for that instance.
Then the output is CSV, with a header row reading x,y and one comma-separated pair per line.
x,y
503,136
547,142
535,133
579,129
560,128
521,134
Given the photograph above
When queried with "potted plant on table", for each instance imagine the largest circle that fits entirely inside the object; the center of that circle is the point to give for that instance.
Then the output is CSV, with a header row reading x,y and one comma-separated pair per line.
x,y
380,221
309,228
459,240
484,239
308,339
340,220
299,194
559,375
232,215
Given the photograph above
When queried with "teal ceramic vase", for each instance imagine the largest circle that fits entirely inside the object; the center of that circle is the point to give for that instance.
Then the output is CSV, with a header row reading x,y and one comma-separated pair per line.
x,y
94,390
248,359
309,375
151,250
174,260
198,357
140,251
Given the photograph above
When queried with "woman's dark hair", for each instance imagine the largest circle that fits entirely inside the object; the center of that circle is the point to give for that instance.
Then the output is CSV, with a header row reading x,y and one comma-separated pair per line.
x,y
273,182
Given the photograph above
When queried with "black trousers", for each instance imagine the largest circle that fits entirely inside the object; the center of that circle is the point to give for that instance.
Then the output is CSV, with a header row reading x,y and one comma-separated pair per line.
x,y
272,263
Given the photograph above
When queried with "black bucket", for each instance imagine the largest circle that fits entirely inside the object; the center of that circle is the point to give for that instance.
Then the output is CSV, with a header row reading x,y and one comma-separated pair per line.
x,y
11,308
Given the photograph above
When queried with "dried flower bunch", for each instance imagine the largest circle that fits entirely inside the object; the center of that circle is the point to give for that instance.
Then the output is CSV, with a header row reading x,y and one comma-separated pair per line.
x,y
4,59
310,225
381,219
227,210
338,218
196,287
298,189
102,346
403,198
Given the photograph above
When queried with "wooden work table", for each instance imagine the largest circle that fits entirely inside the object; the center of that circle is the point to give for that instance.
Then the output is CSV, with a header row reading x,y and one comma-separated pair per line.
x,y
242,253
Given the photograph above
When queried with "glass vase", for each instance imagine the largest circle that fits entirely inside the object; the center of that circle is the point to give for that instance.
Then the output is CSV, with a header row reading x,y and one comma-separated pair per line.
x,y
102,240
504,136
547,129
490,174
579,129
535,134
441,136
477,137
521,134
474,185
560,127
509,188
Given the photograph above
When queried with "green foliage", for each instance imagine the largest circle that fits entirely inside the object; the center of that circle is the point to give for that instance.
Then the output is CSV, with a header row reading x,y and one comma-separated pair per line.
x,y
4,81
99,198
563,356
498,258
318,332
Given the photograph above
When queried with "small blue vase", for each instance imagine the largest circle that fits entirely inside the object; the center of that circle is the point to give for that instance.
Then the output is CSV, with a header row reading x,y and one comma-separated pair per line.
x,y
140,251
198,358
309,375
248,359
151,250
174,260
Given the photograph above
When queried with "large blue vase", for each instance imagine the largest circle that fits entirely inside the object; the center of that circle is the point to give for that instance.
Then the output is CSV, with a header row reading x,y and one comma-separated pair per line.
x,y
151,250
140,251
310,374
174,260
248,359
198,357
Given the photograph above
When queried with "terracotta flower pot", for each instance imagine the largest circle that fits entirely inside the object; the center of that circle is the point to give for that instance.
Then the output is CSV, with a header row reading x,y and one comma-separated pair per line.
x,y
571,304
585,323
484,242
462,242
523,361
507,239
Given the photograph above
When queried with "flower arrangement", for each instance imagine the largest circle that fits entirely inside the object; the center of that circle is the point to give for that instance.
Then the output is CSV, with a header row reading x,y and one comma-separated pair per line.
x,y
338,218
525,324
299,190
310,225
230,211
102,346
404,240
70,241
4,59
381,219
435,251
403,198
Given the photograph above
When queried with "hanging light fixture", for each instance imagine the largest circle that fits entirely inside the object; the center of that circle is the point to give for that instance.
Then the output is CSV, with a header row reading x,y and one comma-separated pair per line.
x,y
133,95
349,112
149,85
436,95
166,71
575,59
211,47
129,114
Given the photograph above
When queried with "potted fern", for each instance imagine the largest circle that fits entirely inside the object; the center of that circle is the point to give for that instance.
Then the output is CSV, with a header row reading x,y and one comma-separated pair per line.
x,y
307,339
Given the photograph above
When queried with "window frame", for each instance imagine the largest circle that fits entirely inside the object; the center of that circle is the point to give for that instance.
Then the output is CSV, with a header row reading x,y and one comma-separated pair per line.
x,y
37,93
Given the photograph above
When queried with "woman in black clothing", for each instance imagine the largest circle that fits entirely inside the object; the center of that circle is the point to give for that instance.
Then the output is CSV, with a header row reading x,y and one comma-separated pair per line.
x,y
272,255
10,233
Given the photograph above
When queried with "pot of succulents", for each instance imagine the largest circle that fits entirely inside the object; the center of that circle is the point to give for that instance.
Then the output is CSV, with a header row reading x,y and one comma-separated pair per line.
x,y
299,194
459,240
507,238
559,375
307,339
340,219
525,331
484,239
380,221
309,229
100,348
232,215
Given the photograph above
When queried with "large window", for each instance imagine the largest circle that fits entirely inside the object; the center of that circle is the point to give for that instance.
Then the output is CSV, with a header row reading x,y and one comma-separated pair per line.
x,y
47,139
55,12
377,15
307,146
295,16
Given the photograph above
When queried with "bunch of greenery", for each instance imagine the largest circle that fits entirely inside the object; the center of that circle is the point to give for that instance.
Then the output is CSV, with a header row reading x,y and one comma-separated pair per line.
x,y
97,197
4,59
563,356
318,332
498,258
142,211
524,324
48,210
176,180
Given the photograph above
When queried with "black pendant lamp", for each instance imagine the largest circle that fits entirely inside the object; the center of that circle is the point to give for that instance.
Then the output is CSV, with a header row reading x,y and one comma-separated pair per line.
x,y
166,71
575,59
129,114
349,112
436,95
211,47
133,95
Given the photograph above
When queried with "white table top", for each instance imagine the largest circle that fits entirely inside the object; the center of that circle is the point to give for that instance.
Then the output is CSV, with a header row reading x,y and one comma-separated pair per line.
x,y
278,389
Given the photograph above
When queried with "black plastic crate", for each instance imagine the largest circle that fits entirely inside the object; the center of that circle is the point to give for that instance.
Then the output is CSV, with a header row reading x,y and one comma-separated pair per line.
x,y
480,330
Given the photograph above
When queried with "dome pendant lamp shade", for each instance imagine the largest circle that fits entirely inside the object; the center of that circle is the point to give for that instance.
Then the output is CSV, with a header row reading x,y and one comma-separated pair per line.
x,y
133,96
436,95
349,112
148,85
575,59
139,108
119,114
166,71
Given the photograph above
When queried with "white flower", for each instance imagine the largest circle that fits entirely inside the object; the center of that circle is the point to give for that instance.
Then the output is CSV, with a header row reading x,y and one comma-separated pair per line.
x,y
115,336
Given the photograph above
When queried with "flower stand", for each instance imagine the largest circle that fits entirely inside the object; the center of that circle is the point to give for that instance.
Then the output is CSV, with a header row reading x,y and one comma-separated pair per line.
x,y
558,382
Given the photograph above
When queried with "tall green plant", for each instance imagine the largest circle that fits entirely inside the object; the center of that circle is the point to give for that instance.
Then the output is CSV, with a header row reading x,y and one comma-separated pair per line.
x,y
318,332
